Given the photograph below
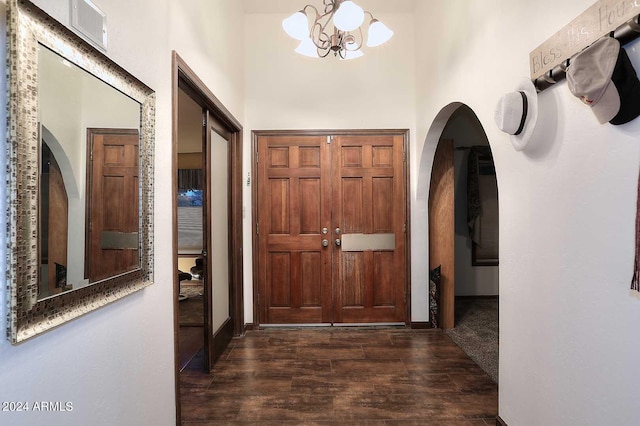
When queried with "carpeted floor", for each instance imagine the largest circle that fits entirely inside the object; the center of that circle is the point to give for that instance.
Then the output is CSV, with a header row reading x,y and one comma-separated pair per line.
x,y
476,331
191,288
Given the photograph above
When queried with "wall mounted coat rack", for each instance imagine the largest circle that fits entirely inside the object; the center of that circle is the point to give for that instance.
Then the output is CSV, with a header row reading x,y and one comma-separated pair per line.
x,y
618,18
625,33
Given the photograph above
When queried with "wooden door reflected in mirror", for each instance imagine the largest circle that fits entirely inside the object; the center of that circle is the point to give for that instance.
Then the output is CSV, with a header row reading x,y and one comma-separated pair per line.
x,y
112,202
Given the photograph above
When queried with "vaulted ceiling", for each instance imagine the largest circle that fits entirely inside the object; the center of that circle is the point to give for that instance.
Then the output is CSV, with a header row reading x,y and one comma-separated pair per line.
x,y
290,6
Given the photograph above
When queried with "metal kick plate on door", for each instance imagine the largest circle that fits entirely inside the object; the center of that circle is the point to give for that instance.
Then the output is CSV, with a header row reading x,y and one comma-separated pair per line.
x,y
110,240
362,242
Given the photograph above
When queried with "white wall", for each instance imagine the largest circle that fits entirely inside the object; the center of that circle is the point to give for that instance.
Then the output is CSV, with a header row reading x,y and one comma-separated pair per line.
x,y
568,321
116,364
208,35
285,90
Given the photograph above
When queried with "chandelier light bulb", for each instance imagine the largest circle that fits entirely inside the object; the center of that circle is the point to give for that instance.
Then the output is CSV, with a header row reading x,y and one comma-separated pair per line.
x,y
351,46
378,34
307,48
349,16
296,26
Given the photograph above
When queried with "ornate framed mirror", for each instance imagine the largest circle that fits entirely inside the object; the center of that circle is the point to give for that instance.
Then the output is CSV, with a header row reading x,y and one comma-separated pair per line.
x,y
79,176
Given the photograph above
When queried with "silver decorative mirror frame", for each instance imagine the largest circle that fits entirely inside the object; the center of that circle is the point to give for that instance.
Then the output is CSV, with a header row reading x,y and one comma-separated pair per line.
x,y
28,26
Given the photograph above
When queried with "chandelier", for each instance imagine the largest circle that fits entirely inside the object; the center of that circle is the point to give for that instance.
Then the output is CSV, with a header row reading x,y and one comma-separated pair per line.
x,y
345,39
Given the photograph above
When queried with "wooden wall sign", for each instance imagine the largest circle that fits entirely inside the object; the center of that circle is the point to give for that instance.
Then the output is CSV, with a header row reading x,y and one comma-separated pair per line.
x,y
601,18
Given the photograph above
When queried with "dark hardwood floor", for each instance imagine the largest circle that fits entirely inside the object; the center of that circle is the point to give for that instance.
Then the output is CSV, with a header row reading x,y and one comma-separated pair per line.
x,y
190,343
345,376
191,320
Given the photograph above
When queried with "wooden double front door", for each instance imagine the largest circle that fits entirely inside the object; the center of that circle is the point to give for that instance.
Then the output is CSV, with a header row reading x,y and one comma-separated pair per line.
x,y
113,214
331,228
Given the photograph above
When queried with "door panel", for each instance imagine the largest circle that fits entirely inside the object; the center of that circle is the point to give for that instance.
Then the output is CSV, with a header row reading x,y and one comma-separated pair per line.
x,y
54,222
441,228
294,204
112,240
217,243
351,185
368,185
219,229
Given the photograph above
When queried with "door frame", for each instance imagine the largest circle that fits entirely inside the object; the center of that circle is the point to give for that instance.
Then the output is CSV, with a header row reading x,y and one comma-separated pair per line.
x,y
255,134
91,133
185,78
442,252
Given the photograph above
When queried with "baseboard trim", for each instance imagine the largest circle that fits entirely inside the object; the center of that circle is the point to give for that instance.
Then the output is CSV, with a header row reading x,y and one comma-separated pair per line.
x,y
420,325
500,422
221,340
417,325
496,296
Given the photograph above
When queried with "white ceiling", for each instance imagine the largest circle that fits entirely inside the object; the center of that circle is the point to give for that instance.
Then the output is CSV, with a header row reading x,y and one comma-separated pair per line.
x,y
291,6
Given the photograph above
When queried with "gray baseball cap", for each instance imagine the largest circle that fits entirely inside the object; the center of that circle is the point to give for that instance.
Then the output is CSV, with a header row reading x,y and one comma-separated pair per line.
x,y
603,78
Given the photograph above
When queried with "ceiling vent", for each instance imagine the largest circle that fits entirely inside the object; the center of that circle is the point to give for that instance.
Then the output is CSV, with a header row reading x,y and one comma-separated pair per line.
x,y
90,22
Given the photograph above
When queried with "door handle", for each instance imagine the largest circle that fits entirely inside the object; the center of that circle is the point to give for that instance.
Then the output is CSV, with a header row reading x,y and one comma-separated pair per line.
x,y
325,243
338,242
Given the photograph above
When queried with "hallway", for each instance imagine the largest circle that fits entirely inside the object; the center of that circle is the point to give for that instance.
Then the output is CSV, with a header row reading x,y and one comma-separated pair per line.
x,y
381,376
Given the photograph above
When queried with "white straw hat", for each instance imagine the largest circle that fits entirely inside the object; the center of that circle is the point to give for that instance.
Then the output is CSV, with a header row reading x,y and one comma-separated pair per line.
x,y
517,113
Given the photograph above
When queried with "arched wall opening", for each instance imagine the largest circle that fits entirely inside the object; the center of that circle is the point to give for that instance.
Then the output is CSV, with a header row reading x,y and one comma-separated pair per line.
x,y
456,129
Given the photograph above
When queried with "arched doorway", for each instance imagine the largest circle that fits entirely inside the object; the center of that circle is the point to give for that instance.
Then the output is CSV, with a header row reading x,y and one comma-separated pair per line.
x,y
463,227
462,244
467,245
